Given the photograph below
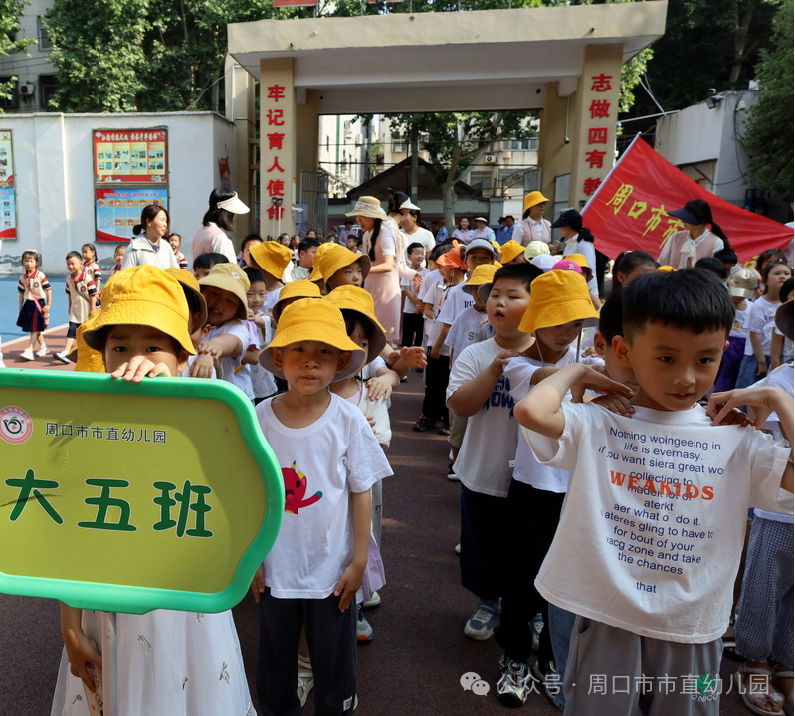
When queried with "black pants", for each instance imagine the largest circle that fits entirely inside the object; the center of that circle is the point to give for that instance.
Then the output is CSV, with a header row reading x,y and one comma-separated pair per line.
x,y
483,544
331,636
437,375
413,325
532,517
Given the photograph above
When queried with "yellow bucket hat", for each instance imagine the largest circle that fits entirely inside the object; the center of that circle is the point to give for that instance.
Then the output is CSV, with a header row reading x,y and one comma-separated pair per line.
x,y
330,258
667,269
558,297
311,320
86,359
579,259
295,289
353,298
142,296
509,251
536,248
271,256
533,198
482,275
190,284
368,206
232,278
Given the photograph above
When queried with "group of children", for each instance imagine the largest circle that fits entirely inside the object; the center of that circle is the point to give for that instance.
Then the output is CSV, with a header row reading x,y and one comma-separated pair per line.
x,y
575,427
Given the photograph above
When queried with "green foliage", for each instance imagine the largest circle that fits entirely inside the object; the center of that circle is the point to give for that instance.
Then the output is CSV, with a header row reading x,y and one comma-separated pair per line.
x,y
144,55
708,44
769,130
10,10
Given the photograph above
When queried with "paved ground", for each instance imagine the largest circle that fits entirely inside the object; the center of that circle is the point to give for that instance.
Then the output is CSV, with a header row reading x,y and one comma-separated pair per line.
x,y
419,653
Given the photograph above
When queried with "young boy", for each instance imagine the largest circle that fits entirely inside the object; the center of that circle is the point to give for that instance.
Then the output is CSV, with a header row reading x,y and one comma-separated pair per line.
x,y
337,266
654,521
413,321
271,259
477,390
317,564
82,300
306,252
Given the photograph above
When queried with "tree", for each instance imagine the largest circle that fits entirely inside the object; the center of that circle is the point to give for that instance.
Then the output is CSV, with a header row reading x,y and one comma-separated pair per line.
x,y
144,55
10,11
456,140
769,129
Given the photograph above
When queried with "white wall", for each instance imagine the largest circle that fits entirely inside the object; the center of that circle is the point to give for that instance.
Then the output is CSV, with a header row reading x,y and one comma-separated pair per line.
x,y
54,173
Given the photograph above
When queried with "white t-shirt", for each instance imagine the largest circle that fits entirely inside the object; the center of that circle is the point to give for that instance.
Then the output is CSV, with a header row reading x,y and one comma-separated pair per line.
x,y
408,306
439,294
420,236
241,378
457,301
428,294
587,249
463,331
738,329
321,464
760,319
263,382
483,462
654,520
378,410
526,468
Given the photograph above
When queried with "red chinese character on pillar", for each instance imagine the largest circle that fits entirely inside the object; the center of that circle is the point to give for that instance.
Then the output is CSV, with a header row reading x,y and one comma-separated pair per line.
x,y
276,92
601,83
275,212
276,187
595,158
276,165
597,135
590,185
276,117
600,108
275,140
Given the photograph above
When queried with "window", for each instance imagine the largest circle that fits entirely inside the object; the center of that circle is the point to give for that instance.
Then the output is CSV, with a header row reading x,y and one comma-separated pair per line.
x,y
47,86
399,145
44,36
484,178
12,101
519,145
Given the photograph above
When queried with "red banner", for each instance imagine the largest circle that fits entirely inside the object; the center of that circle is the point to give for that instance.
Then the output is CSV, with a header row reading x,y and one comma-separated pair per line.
x,y
629,210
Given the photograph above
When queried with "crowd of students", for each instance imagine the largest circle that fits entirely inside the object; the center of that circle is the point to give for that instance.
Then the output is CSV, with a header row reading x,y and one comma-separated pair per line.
x,y
604,435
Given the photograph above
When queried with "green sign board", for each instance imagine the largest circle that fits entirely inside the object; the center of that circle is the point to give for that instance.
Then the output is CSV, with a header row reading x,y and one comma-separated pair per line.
x,y
129,497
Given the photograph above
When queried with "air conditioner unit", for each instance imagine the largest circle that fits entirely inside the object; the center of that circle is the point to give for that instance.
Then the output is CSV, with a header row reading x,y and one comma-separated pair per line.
x,y
490,159
26,88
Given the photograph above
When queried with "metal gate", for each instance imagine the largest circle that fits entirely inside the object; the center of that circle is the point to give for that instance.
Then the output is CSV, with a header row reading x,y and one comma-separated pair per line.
x,y
313,202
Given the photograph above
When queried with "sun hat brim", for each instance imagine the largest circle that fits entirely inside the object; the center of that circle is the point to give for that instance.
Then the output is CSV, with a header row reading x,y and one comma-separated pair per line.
x,y
228,283
233,205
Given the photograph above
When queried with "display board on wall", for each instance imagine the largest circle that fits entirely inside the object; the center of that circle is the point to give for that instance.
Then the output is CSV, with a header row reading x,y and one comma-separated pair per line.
x,y
8,199
118,210
130,156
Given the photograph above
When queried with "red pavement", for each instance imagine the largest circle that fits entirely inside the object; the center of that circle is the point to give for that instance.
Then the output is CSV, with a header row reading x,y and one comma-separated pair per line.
x,y
414,664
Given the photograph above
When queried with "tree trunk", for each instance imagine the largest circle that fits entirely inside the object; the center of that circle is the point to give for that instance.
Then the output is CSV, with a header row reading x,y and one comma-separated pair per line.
x,y
448,204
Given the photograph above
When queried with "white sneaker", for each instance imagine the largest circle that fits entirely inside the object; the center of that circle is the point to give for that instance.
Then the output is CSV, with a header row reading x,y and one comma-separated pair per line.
x,y
27,354
62,357
43,351
372,602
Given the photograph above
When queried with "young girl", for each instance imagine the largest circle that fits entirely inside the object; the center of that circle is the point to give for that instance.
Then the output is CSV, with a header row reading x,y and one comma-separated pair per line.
x,y
701,237
90,265
35,297
174,241
742,287
629,265
759,323
330,460
118,257
338,266
168,662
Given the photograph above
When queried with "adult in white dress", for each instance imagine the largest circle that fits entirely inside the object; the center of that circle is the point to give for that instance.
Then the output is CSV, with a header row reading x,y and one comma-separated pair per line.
x,y
219,218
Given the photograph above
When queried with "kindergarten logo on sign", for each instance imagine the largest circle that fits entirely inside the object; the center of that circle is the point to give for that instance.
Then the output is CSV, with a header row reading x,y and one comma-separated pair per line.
x,y
16,426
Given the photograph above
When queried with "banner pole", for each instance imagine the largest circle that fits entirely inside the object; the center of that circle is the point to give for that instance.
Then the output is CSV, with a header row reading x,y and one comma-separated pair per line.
x,y
615,166
110,676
